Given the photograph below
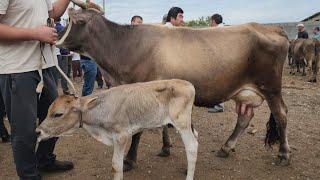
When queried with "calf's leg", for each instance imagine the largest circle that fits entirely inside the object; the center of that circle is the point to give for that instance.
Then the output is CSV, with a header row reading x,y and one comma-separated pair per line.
x,y
119,142
191,146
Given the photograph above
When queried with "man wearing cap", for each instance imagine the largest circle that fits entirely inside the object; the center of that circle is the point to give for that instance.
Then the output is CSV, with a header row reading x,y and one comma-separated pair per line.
x,y
302,33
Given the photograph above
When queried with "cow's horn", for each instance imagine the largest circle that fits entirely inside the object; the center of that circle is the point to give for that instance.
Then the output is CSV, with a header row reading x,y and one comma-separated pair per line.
x,y
83,5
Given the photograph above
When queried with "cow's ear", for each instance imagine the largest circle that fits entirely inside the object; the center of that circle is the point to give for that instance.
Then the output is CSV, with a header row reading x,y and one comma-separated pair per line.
x,y
76,17
87,103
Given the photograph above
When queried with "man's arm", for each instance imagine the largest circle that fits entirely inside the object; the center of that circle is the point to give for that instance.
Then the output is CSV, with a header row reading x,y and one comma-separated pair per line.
x,y
41,33
59,7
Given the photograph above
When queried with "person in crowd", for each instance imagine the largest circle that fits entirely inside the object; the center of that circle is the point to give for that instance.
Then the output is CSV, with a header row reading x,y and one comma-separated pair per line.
x,y
76,68
216,21
136,20
175,17
302,33
89,74
316,32
23,60
63,60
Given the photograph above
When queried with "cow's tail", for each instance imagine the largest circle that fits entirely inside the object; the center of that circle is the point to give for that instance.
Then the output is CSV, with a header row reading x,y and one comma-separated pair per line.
x,y
272,136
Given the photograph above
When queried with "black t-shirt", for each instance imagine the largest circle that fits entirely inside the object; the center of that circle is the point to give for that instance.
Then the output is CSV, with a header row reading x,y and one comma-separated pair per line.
x,y
303,35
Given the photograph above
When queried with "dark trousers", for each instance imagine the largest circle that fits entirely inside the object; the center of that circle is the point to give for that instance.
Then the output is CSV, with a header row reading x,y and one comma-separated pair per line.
x,y
3,130
64,66
76,69
23,107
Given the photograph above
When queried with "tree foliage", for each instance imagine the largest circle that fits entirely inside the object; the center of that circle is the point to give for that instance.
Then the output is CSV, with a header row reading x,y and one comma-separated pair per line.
x,y
200,22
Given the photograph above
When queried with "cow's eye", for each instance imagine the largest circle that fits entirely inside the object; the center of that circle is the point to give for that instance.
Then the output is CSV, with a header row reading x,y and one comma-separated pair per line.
x,y
58,115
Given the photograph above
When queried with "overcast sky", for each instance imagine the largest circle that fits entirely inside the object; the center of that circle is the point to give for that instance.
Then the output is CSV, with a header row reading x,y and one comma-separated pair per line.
x,y
233,11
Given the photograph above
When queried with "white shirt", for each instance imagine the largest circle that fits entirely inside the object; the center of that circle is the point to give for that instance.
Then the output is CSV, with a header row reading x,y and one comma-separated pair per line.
x,y
220,25
19,57
168,24
75,56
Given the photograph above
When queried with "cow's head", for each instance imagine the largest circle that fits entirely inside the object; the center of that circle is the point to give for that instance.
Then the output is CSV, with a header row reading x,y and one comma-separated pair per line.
x,y
78,31
64,116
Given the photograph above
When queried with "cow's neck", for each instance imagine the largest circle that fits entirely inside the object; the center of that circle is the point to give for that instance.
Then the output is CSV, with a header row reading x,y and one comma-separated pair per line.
x,y
108,45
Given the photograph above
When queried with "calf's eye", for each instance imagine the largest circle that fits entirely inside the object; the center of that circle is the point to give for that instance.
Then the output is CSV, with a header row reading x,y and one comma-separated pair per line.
x,y
58,115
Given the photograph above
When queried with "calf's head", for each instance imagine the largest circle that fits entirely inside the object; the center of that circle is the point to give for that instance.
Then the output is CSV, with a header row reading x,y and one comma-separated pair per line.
x,y
64,116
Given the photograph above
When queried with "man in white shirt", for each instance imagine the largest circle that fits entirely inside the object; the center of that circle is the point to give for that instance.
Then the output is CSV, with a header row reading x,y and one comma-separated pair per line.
x,y
22,57
175,17
216,21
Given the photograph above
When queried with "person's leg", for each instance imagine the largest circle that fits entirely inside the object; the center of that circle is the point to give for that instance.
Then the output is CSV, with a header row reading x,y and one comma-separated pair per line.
x,y
74,69
69,60
99,78
49,94
45,157
56,72
79,70
20,100
63,64
90,72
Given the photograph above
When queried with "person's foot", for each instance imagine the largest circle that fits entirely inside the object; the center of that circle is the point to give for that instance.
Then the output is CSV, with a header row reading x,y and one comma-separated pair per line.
x,y
215,110
57,166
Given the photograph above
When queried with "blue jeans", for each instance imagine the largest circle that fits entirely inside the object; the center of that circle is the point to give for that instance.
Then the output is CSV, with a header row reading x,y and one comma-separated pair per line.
x,y
90,73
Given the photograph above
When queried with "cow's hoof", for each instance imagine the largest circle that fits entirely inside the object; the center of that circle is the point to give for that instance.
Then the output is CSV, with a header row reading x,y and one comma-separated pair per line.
x,y
222,153
283,161
129,165
165,152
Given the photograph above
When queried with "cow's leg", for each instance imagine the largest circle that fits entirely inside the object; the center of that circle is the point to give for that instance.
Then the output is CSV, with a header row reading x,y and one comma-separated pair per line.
x,y
131,158
119,143
277,128
165,151
245,114
304,65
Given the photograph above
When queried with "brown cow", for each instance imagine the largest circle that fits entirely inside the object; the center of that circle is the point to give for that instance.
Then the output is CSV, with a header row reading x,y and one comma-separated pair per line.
x,y
305,54
243,63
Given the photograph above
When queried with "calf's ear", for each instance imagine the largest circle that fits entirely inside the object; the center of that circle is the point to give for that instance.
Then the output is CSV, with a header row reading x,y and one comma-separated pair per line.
x,y
87,103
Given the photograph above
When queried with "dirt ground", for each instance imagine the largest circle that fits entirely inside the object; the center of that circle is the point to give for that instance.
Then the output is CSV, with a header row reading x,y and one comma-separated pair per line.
x,y
250,161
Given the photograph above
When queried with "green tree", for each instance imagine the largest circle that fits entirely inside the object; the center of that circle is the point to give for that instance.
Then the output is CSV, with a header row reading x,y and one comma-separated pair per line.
x,y
200,22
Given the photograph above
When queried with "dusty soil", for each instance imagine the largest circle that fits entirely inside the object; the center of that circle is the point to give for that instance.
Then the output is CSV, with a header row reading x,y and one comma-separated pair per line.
x,y
250,161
